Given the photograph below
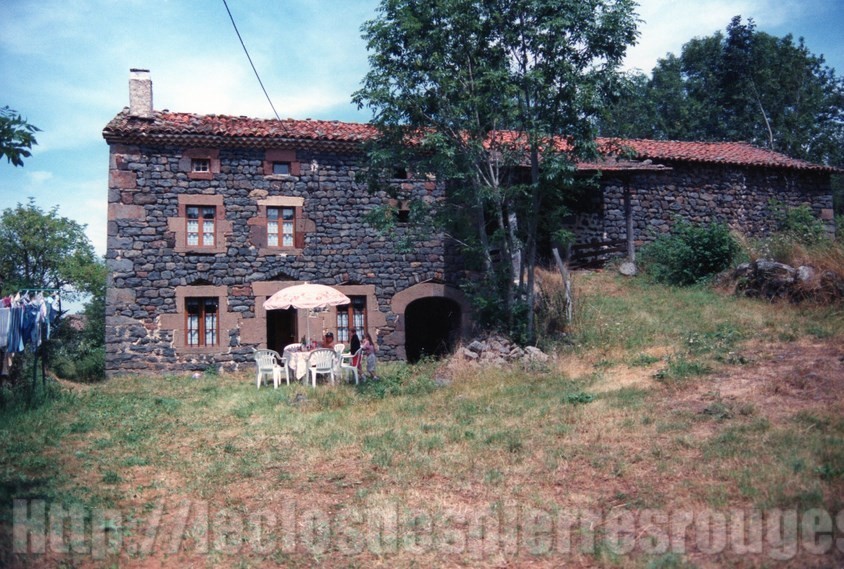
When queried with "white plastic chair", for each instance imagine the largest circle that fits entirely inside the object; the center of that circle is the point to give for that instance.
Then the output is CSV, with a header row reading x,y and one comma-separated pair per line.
x,y
339,348
321,362
268,366
350,362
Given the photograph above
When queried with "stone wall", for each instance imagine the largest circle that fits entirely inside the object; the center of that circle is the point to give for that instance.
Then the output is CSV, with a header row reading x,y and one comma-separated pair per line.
x,y
147,267
739,196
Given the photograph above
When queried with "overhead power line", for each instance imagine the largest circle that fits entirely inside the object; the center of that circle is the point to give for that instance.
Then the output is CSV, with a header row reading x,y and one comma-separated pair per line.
x,y
246,51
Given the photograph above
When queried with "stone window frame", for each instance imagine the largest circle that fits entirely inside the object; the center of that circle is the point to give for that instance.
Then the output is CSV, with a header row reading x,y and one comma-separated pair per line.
x,y
301,225
280,221
177,321
348,310
189,155
202,330
202,225
273,156
178,224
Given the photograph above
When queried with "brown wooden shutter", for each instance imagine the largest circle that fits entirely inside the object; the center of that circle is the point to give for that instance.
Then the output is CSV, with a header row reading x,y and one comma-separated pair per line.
x,y
299,224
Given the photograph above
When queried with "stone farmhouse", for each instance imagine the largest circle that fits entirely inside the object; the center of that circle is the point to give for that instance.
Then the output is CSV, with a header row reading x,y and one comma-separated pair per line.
x,y
210,215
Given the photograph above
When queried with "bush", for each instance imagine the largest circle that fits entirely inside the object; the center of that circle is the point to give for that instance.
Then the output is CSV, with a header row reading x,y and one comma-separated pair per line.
x,y
690,254
798,223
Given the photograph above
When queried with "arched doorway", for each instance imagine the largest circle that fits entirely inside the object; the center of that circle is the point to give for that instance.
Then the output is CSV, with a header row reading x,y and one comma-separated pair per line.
x,y
432,327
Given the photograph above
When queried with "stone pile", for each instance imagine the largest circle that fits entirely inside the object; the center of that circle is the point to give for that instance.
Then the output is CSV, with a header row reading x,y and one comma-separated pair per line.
x,y
497,350
764,278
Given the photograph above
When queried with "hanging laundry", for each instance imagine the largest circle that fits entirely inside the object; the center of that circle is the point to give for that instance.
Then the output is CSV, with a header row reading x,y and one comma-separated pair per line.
x,y
5,321
15,338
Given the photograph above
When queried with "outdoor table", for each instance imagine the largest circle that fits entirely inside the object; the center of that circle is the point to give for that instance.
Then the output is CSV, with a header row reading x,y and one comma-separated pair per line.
x,y
298,363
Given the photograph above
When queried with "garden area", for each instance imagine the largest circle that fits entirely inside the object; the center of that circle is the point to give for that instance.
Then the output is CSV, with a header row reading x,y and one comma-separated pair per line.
x,y
662,399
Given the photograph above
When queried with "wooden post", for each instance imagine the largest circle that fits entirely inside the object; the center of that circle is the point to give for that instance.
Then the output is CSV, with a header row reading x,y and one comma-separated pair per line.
x,y
564,272
628,215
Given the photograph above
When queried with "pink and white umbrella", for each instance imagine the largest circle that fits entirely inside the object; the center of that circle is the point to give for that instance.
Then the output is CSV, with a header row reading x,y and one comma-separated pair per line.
x,y
307,296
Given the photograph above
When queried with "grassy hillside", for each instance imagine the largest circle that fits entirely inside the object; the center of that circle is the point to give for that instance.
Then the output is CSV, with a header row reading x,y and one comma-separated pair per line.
x,y
665,407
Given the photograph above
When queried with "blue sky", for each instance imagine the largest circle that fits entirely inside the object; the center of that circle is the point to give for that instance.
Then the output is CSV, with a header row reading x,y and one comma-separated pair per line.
x,y
65,66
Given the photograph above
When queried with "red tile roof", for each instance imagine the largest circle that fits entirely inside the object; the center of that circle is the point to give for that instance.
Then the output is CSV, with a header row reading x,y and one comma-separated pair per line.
x,y
737,153
167,127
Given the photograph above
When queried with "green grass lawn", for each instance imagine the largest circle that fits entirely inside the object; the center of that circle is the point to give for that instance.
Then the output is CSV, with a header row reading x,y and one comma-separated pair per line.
x,y
670,400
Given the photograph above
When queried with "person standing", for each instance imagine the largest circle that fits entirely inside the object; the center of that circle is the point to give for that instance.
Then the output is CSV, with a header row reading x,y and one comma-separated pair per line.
x,y
354,341
369,349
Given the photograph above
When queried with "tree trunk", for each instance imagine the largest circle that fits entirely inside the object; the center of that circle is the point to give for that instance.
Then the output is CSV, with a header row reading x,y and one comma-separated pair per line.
x,y
533,226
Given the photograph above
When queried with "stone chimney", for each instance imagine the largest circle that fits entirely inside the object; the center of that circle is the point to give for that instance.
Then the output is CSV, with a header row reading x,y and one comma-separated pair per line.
x,y
140,94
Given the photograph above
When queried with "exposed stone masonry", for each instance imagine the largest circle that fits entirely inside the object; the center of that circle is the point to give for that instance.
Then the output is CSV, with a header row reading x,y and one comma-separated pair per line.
x,y
145,185
738,196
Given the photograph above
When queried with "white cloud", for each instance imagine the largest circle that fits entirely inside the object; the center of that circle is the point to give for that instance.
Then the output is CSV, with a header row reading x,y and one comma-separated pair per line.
x,y
39,176
668,24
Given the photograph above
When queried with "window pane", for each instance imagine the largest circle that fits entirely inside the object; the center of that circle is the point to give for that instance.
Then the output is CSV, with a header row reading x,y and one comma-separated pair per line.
x,y
208,212
272,234
193,330
211,329
342,325
287,232
281,167
211,305
272,213
208,233
288,213
193,232
192,212
200,165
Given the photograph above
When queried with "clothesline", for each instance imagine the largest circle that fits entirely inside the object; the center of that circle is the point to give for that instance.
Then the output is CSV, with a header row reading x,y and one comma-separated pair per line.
x,y
26,320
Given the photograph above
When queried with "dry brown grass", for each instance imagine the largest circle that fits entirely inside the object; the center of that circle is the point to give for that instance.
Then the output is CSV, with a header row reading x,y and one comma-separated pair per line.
x,y
592,430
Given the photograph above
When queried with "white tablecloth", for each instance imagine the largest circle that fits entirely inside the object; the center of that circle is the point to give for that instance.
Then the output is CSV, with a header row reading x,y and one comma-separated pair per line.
x,y
298,363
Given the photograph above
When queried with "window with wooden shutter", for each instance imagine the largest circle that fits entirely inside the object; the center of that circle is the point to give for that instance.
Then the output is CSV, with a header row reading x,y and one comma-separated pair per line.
x,y
202,326
352,315
201,226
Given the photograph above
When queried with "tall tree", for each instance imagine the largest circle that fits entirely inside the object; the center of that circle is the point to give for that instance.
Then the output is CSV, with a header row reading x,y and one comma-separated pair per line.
x,y
480,89
742,85
16,136
41,249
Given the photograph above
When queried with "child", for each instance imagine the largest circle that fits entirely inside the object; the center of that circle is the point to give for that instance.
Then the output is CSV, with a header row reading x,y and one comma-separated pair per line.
x,y
369,349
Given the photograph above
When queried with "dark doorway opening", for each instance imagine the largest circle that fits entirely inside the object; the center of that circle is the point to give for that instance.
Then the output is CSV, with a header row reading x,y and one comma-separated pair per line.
x,y
281,328
431,327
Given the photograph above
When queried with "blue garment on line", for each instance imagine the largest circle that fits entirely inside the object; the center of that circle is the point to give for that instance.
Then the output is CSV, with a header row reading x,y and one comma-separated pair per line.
x,y
30,331
15,343
5,321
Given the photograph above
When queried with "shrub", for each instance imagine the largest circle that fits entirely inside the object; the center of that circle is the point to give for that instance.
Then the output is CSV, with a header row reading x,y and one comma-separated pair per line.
x,y
798,223
690,254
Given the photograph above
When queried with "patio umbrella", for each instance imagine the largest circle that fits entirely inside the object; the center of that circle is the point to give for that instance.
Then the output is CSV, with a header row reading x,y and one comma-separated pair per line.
x,y
307,296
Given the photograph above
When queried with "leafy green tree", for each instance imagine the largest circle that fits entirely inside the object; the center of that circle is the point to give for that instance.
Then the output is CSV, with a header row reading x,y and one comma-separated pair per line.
x,y
41,249
742,85
481,92
16,136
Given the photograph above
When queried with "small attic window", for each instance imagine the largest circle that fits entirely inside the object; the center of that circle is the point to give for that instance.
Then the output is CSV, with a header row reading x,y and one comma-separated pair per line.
x,y
200,165
281,168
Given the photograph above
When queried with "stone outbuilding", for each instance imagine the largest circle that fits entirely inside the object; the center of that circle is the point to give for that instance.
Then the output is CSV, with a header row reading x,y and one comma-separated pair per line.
x,y
208,216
